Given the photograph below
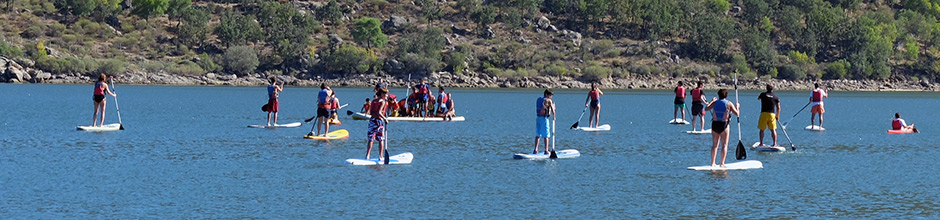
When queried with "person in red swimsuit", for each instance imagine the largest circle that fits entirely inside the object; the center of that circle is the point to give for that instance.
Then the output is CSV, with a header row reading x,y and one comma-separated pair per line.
x,y
101,88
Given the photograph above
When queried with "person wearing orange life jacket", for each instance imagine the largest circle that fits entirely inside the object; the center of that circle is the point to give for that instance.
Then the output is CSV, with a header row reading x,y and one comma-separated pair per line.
x,y
900,124
593,100
392,109
323,113
698,107
334,106
422,91
679,102
376,129
273,92
101,88
544,108
816,97
721,114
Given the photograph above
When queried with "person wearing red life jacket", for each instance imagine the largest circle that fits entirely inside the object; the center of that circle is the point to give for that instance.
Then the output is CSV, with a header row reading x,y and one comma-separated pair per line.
x,y
816,97
334,106
376,129
900,124
593,100
323,110
365,107
101,88
422,90
441,102
679,101
698,107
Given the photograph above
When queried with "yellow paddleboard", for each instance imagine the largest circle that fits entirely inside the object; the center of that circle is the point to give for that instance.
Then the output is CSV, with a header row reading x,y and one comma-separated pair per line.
x,y
338,134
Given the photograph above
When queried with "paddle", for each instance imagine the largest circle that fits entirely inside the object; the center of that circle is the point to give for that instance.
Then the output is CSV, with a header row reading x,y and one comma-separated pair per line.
x,y
575,125
385,140
344,105
740,153
784,124
792,147
553,155
116,106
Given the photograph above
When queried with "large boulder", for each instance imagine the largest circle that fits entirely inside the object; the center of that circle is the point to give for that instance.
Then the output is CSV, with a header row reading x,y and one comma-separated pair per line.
x,y
543,22
17,73
394,24
575,37
39,76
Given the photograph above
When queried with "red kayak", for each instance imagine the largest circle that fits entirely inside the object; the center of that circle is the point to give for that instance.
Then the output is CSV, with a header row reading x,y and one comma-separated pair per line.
x,y
902,131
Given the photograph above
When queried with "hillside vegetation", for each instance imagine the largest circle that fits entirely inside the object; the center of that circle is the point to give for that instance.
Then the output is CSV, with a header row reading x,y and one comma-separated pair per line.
x,y
590,40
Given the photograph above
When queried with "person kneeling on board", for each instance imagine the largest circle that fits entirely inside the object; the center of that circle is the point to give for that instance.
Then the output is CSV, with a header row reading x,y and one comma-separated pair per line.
x,y
377,122
544,108
769,114
899,124
721,114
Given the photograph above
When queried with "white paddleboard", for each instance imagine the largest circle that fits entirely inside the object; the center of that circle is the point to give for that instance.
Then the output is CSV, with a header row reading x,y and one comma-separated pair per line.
x,y
743,165
604,127
814,128
567,153
707,131
403,158
290,125
678,121
767,148
363,116
107,127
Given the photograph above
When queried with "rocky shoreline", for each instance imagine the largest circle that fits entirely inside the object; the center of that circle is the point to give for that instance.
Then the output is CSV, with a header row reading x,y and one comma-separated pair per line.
x,y
12,72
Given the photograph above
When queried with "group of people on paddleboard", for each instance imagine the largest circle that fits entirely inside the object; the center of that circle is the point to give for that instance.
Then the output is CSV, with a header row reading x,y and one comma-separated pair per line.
x,y
419,102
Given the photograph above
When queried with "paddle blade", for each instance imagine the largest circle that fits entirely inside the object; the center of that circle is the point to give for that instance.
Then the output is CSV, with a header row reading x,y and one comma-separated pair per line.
x,y
792,147
348,112
386,156
914,129
122,127
309,119
575,125
740,153
553,155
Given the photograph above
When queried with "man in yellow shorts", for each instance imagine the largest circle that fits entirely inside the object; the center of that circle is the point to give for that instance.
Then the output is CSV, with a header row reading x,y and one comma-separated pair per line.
x,y
769,111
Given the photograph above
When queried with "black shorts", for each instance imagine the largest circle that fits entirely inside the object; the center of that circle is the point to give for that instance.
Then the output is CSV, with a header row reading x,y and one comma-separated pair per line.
x,y
98,98
698,108
595,103
719,126
322,112
679,100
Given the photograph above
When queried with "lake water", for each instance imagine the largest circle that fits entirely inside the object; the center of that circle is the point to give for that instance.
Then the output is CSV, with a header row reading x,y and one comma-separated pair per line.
x,y
187,153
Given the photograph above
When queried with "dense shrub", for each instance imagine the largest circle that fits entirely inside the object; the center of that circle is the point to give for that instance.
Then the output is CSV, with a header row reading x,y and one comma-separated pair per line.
x,y
555,69
9,50
349,59
791,72
185,68
640,69
112,66
456,62
415,63
240,60
368,32
207,64
237,29
595,72
836,70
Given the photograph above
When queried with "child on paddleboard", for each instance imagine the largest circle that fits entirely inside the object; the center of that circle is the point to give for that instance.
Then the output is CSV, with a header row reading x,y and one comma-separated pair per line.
x,y
101,88
273,92
593,100
721,114
544,108
698,107
365,107
377,122
679,102
769,113
816,97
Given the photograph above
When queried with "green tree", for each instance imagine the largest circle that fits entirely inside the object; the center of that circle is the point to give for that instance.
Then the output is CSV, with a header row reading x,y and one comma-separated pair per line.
x,y
240,60
758,50
790,21
330,12
430,10
194,28
661,18
368,32
421,51
594,10
710,36
237,29
286,30
350,59
754,10
484,16
177,8
149,8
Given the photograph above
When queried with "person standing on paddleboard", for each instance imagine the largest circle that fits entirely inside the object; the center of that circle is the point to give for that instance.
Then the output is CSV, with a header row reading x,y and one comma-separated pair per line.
x,y
816,97
721,114
900,124
593,100
698,107
273,92
544,108
422,91
769,113
679,102
323,114
377,122
101,88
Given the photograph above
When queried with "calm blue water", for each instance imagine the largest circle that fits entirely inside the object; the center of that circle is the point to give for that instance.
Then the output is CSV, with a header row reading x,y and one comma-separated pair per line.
x,y
187,153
